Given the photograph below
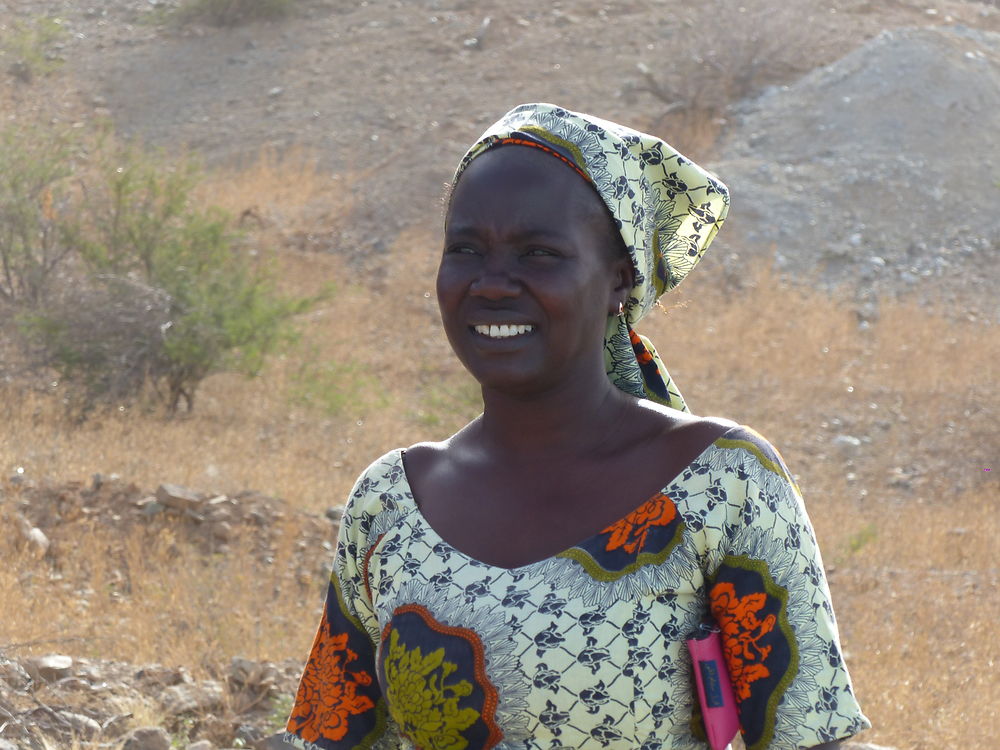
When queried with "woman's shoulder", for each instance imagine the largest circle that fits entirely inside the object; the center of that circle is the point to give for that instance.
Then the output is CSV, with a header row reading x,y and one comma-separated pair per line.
x,y
383,480
722,427
430,458
680,430
421,455
741,436
403,471
747,454
694,435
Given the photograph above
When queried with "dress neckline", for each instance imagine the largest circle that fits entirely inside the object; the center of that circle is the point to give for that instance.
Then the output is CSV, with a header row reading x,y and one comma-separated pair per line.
x,y
422,520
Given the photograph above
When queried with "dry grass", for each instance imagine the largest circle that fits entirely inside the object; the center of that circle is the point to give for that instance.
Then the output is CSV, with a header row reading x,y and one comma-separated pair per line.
x,y
919,603
908,523
283,198
151,597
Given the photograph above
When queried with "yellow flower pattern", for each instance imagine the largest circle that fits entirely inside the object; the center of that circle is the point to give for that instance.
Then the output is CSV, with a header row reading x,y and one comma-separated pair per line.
x,y
426,708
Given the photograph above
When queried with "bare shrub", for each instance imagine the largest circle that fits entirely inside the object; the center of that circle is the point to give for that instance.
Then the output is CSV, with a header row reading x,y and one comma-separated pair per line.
x,y
750,44
105,336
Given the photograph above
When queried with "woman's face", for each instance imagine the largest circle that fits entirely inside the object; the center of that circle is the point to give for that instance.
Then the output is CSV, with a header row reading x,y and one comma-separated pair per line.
x,y
529,273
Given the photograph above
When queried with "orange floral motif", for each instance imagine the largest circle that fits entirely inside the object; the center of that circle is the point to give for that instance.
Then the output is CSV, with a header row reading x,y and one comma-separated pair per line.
x,y
742,631
630,532
642,354
327,694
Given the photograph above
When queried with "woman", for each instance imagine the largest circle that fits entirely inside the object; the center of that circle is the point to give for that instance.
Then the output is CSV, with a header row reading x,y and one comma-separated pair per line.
x,y
530,581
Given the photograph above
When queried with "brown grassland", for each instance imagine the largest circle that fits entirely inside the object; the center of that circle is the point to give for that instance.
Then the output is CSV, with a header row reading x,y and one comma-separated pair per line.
x,y
908,521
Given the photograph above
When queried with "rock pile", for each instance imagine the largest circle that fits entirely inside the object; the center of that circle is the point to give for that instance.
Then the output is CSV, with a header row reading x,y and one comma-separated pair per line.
x,y
47,514
64,698
94,702
881,170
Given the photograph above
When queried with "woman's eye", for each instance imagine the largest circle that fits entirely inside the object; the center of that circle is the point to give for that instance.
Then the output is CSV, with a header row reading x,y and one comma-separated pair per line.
x,y
541,252
460,250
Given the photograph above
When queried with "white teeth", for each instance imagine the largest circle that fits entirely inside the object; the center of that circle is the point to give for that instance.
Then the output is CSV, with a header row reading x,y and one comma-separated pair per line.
x,y
503,331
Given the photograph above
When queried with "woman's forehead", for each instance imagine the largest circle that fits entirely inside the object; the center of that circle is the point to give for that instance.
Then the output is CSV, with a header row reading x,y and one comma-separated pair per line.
x,y
517,173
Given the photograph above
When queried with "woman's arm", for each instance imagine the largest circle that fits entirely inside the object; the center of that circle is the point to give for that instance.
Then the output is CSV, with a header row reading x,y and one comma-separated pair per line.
x,y
339,703
769,597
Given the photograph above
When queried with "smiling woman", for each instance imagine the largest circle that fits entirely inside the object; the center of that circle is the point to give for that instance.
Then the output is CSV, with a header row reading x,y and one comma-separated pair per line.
x,y
521,256
530,582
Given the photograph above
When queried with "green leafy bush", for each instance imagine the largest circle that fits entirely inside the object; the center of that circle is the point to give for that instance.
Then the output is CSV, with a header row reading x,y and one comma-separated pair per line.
x,y
231,12
147,289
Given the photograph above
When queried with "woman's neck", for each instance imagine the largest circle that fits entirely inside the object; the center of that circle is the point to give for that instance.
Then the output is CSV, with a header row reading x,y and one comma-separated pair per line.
x,y
569,423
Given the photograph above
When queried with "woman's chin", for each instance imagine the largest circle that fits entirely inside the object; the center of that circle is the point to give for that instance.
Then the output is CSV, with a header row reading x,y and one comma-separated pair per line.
x,y
514,382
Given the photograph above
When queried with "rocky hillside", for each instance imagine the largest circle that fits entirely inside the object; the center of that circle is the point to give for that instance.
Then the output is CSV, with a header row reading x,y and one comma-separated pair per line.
x,y
880,170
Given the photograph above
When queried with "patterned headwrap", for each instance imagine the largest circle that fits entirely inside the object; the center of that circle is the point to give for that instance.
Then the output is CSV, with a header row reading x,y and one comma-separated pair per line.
x,y
666,207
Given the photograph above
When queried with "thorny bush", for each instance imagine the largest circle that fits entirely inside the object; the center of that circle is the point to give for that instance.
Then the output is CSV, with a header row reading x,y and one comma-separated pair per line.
x,y
126,283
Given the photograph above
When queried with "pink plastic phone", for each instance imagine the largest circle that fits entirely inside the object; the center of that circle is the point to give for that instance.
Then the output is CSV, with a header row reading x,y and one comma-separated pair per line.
x,y
715,692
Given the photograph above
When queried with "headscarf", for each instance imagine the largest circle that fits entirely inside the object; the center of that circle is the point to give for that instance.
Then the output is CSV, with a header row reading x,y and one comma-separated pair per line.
x,y
666,207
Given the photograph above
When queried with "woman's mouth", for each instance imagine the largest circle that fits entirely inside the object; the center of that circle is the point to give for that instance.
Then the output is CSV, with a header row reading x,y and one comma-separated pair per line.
x,y
503,331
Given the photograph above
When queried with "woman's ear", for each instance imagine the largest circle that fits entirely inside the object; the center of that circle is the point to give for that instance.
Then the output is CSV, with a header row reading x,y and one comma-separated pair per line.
x,y
623,280
624,277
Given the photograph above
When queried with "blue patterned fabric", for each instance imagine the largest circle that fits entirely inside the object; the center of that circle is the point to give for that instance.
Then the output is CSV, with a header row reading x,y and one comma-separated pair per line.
x,y
585,649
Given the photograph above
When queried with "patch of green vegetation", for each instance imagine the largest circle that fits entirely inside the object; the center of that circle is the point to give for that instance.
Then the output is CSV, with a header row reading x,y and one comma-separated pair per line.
x,y
335,388
281,707
862,538
124,281
35,171
30,48
182,737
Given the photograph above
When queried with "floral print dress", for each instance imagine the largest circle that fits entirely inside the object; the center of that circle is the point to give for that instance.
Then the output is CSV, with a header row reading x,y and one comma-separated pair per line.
x,y
422,646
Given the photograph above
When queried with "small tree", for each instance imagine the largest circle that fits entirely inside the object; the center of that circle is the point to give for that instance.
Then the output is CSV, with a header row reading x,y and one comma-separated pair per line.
x,y
164,293
225,314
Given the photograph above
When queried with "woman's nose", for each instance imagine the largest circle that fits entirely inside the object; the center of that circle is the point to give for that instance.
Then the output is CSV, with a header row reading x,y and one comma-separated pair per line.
x,y
495,281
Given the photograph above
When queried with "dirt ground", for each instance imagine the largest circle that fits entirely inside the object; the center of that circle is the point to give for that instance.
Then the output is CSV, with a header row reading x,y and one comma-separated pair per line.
x,y
393,92
387,94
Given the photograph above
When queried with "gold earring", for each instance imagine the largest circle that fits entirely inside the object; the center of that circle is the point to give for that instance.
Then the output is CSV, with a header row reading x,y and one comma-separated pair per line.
x,y
621,309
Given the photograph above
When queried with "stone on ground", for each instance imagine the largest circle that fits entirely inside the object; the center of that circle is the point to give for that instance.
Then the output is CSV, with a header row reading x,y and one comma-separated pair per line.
x,y
147,738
